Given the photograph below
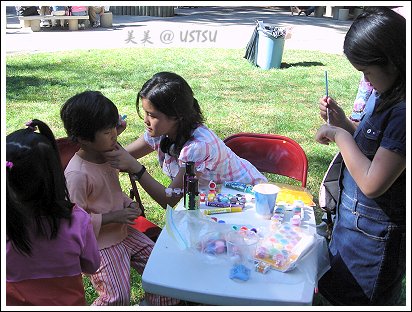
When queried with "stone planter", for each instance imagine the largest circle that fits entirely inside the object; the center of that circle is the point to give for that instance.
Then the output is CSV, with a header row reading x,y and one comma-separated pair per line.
x,y
343,14
106,19
357,12
335,12
319,11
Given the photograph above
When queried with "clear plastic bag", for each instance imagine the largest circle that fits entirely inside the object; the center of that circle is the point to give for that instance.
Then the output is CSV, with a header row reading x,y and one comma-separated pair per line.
x,y
194,232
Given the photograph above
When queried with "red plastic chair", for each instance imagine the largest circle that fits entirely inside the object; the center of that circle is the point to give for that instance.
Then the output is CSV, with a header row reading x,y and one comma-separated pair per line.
x,y
67,148
271,153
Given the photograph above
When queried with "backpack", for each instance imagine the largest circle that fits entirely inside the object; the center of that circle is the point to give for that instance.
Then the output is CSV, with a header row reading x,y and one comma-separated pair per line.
x,y
329,191
28,11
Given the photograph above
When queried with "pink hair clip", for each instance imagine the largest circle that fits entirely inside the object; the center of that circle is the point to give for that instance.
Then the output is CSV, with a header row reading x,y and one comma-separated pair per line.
x,y
30,126
9,164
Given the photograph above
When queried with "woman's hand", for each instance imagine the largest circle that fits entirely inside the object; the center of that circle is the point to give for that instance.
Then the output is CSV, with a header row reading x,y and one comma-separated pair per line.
x,y
120,159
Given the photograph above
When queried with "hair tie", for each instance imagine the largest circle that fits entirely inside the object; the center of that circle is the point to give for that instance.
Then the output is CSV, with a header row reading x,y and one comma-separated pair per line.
x,y
29,125
9,164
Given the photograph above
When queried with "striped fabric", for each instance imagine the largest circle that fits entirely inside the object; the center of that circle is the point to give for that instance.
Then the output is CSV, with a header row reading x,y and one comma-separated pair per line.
x,y
112,279
213,159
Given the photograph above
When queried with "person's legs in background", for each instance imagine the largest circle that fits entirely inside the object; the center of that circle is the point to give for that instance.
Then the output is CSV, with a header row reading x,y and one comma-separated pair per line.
x,y
94,15
295,9
45,10
81,11
310,10
58,11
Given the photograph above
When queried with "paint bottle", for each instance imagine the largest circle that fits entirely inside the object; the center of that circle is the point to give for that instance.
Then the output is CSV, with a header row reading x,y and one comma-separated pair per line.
x,y
189,173
192,194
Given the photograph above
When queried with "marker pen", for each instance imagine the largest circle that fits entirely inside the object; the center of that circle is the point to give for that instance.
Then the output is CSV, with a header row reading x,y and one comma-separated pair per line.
x,y
222,210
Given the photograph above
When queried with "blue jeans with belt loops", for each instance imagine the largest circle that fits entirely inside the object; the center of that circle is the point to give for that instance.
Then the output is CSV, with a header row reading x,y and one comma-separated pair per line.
x,y
367,254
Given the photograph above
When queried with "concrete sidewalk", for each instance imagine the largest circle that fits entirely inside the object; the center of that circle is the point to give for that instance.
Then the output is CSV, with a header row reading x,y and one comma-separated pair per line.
x,y
199,27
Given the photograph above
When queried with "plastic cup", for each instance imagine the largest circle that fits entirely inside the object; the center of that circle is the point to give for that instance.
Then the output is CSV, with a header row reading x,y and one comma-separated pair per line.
x,y
213,244
265,199
241,247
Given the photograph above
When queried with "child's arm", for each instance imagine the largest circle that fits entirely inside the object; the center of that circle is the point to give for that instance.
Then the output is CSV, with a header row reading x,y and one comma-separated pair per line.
x,y
124,161
373,177
77,187
126,215
157,191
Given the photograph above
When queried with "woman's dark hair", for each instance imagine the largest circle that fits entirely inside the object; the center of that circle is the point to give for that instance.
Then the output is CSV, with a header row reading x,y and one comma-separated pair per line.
x,y
87,113
36,187
171,94
378,37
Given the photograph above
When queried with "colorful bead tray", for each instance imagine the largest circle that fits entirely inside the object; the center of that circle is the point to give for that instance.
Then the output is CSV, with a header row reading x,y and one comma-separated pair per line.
x,y
282,247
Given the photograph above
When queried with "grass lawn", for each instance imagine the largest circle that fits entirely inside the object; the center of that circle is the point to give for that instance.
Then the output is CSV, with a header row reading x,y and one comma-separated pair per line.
x,y
234,96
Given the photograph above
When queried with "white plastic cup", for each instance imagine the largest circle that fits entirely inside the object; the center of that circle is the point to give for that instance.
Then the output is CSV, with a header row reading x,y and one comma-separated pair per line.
x,y
241,247
265,199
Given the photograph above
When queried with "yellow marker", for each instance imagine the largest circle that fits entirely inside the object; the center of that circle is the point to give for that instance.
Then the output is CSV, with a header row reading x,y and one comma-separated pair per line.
x,y
222,210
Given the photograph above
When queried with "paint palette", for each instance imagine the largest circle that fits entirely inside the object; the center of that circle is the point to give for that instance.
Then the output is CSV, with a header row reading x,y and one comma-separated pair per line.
x,y
289,194
283,246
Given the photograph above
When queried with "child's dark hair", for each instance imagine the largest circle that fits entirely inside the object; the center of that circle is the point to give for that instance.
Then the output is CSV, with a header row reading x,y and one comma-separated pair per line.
x,y
378,37
171,94
87,113
36,187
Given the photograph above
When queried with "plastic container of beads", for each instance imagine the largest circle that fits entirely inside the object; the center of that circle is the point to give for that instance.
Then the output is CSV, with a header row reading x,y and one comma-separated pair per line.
x,y
284,246
213,244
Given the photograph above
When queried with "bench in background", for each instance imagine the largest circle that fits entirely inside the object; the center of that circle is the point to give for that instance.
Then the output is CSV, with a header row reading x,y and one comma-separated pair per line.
x,y
34,21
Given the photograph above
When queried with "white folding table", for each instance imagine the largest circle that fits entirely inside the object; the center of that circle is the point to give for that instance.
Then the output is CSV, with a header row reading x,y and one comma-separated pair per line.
x,y
182,274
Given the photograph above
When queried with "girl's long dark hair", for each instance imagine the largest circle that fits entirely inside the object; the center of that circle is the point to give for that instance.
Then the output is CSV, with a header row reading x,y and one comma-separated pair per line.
x,y
378,37
37,195
171,94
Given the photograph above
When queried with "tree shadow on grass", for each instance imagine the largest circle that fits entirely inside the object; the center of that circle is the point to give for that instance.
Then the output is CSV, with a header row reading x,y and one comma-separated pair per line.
x,y
16,86
301,64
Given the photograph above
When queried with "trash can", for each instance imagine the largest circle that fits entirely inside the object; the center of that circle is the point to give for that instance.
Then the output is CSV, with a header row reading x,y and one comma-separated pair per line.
x,y
265,48
269,51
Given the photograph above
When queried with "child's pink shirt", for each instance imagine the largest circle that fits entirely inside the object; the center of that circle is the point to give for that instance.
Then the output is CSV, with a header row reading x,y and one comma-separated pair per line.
x,y
72,252
96,188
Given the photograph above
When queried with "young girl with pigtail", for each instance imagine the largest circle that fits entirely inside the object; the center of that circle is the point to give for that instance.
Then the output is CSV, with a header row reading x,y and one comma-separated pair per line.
x,y
50,240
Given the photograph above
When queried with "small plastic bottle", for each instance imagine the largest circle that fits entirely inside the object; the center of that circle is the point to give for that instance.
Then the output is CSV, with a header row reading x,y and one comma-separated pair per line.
x,y
189,173
295,220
